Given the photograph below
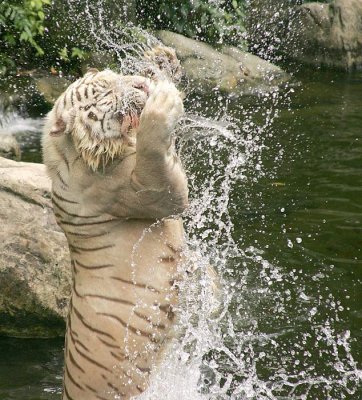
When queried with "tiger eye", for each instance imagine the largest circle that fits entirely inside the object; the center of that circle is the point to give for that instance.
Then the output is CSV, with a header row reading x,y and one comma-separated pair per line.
x,y
92,116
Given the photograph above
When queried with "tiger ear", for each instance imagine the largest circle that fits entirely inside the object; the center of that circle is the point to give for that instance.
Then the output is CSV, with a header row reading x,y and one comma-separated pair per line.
x,y
58,128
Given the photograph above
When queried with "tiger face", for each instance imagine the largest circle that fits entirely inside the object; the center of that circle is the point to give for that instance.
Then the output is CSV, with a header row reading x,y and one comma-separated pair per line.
x,y
101,112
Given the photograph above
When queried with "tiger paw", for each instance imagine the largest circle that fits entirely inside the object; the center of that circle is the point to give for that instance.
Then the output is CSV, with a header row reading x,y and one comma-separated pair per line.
x,y
162,110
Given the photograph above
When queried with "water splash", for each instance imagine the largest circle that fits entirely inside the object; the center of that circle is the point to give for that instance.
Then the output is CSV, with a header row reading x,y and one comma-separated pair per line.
x,y
13,123
16,128
276,335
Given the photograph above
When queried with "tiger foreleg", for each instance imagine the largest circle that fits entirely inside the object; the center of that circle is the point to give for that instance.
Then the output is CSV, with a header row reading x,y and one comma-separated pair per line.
x,y
158,175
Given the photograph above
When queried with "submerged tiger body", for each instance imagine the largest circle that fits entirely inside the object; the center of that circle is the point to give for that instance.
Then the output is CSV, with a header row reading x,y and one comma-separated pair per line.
x,y
117,188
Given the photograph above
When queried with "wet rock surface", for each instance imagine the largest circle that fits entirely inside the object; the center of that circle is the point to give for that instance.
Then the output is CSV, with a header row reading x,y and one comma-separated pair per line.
x,y
229,70
34,263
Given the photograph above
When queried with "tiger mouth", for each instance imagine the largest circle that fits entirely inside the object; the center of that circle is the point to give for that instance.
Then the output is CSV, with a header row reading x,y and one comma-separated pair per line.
x,y
129,122
130,119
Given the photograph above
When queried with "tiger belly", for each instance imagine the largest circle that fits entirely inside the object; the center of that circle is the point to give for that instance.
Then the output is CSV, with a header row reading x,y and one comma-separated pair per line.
x,y
120,313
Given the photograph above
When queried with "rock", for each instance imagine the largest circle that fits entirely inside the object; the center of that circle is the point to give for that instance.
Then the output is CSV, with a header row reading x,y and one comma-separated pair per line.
x,y
318,34
230,70
9,147
330,34
35,276
265,74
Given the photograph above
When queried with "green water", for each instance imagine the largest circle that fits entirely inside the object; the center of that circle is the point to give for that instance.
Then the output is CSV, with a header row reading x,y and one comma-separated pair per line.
x,y
305,214
30,369
320,199
316,192
307,218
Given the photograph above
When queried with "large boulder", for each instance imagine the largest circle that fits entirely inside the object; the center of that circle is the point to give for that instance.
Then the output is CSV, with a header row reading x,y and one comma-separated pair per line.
x,y
330,34
35,278
229,70
315,33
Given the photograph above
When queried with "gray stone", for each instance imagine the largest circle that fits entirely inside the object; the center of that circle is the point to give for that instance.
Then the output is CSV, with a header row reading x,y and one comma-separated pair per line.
x,y
35,276
318,34
265,74
230,70
330,34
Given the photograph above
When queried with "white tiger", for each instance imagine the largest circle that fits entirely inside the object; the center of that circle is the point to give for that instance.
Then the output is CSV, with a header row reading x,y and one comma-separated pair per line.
x,y
117,189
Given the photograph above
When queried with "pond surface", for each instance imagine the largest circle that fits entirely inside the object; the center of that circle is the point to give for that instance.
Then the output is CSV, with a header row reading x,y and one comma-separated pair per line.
x,y
297,216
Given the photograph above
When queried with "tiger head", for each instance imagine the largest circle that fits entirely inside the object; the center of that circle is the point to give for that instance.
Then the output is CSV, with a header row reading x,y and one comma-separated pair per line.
x,y
100,113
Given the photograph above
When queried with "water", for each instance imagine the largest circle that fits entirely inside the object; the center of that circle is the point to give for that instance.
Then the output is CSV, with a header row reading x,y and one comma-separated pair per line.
x,y
283,210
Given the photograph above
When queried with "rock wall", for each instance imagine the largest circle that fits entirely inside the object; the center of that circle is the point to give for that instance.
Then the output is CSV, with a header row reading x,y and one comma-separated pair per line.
x,y
35,277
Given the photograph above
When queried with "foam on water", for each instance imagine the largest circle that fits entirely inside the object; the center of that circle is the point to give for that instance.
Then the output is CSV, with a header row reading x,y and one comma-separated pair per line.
x,y
274,337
